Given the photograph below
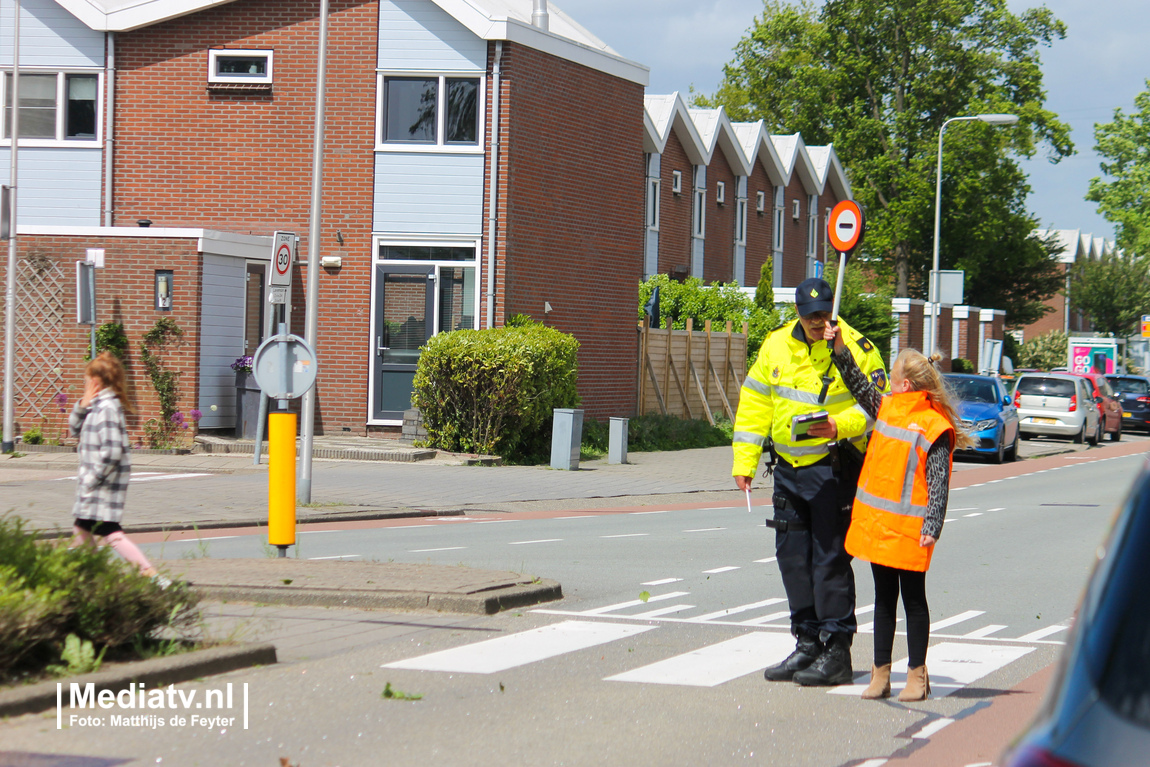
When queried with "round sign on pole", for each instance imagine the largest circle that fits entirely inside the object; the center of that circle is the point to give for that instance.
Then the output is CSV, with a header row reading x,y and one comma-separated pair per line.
x,y
283,258
284,366
845,226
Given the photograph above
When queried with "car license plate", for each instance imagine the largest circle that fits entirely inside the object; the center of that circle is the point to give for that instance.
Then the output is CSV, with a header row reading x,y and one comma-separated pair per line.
x,y
1127,415
1044,420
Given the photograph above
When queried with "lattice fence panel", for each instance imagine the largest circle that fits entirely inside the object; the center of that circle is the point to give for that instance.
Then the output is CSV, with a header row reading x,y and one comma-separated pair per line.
x,y
40,307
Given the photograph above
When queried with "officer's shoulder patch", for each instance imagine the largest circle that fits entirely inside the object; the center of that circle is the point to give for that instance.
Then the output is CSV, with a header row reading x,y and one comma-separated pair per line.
x,y
865,345
878,377
775,372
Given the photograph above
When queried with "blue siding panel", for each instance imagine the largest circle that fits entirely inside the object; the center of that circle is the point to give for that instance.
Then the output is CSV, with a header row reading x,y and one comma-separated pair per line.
x,y
428,193
419,36
57,186
49,37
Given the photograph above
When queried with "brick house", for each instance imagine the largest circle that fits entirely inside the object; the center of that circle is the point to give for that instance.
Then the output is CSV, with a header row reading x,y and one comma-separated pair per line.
x,y
1074,245
196,117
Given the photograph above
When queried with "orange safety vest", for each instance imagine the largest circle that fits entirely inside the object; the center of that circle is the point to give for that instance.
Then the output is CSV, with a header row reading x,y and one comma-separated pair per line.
x,y
891,499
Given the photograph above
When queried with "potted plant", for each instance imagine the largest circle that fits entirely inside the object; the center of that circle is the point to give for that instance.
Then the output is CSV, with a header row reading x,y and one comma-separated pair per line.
x,y
247,398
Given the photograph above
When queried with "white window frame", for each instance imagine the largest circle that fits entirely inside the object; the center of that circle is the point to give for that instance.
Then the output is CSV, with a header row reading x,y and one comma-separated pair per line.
x,y
780,199
214,76
796,209
699,213
382,239
61,107
721,192
826,237
441,114
741,221
676,182
812,226
654,186
760,201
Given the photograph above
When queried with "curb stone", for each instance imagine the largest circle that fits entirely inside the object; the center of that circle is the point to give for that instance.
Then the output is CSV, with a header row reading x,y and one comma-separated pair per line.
x,y
154,672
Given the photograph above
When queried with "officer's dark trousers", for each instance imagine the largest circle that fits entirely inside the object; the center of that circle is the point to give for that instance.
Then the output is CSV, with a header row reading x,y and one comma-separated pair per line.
x,y
816,569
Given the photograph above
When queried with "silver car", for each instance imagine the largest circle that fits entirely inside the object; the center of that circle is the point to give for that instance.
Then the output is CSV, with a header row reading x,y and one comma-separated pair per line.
x,y
1057,405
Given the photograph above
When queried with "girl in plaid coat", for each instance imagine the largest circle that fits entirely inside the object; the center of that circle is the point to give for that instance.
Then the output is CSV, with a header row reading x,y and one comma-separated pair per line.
x,y
102,481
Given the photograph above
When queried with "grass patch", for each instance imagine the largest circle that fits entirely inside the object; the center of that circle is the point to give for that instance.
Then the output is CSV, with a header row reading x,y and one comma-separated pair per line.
x,y
654,432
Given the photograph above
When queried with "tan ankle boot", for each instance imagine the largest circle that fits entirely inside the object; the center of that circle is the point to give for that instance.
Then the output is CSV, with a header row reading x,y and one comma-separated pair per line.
x,y
879,683
917,685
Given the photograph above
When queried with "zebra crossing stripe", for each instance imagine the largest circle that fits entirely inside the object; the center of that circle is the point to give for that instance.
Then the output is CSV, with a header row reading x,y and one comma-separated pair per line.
x,y
946,622
634,603
715,664
736,610
1034,636
502,653
952,666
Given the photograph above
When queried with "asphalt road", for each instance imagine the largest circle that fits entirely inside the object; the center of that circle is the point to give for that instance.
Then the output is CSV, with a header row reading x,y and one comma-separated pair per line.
x,y
655,655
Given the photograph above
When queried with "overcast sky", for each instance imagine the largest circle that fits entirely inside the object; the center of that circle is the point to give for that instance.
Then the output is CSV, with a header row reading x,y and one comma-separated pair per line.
x,y
1102,64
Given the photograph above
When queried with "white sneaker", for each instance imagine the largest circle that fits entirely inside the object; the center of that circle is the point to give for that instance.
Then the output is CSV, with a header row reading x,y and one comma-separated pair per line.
x,y
161,581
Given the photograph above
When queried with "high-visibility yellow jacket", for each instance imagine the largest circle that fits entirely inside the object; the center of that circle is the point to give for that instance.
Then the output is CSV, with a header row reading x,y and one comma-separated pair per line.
x,y
892,496
786,381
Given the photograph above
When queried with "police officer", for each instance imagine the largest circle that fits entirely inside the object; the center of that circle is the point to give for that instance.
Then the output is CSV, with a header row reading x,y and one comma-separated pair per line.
x,y
814,480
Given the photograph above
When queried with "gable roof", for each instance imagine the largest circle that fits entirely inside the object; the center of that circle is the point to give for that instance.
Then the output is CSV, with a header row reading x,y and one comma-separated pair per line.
x,y
488,19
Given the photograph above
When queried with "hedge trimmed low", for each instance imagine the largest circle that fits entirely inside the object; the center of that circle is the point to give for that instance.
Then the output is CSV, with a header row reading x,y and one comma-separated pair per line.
x,y
493,391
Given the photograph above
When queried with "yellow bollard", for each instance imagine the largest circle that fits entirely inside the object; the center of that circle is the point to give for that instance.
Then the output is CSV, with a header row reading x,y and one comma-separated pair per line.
x,y
281,480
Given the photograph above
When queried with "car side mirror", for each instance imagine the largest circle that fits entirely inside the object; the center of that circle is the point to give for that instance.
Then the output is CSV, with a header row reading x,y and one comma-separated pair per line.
x,y
1007,401
1098,400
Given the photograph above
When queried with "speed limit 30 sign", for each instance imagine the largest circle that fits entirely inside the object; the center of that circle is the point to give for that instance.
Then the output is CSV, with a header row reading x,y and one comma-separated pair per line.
x,y
283,255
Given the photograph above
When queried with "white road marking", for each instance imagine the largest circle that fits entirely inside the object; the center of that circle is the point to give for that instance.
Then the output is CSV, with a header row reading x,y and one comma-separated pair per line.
x,y
715,664
939,625
664,511
985,631
541,540
952,665
868,628
767,619
864,610
873,763
634,602
1000,508
717,570
341,556
765,561
975,514
704,530
1034,636
662,582
166,477
663,611
496,521
322,532
932,728
625,535
968,508
506,652
445,548
739,609
581,516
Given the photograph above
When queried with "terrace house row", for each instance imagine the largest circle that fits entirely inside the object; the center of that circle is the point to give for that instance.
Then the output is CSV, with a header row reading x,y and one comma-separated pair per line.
x,y
483,158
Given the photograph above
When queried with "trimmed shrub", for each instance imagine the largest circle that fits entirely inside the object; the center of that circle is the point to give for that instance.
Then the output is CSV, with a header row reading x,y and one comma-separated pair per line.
x,y
654,432
1044,352
492,391
960,365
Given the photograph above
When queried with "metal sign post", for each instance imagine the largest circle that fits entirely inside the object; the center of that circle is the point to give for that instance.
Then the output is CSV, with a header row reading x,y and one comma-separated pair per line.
x,y
279,289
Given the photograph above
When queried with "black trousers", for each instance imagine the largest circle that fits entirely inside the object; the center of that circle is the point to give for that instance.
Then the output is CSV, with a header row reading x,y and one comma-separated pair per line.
x,y
887,583
815,566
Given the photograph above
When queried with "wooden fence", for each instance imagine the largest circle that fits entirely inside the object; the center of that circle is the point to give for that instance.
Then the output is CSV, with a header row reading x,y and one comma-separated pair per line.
x,y
689,373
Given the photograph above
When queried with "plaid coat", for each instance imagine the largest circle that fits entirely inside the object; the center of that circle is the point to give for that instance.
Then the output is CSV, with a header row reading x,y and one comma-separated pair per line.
x,y
102,481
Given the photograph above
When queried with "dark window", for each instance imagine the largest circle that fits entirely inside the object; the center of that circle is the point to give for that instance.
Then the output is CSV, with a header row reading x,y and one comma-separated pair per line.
x,y
462,124
409,109
973,389
80,116
242,66
425,253
37,106
1130,385
1046,387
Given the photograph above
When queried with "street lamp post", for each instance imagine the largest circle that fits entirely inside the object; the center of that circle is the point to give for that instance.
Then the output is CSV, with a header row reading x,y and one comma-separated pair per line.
x,y
935,310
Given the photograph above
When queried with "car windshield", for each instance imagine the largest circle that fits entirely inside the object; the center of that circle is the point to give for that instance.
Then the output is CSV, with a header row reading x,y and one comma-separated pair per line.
x,y
1130,385
1046,387
972,389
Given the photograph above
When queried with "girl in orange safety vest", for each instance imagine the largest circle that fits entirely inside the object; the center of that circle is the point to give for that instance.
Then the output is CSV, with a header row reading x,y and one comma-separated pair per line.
x,y
901,501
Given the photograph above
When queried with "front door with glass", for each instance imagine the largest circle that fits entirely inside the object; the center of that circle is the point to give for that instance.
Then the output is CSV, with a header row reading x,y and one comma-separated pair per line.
x,y
404,320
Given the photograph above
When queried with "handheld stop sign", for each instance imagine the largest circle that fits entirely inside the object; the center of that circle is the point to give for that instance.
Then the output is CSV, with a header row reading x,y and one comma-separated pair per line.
x,y
845,228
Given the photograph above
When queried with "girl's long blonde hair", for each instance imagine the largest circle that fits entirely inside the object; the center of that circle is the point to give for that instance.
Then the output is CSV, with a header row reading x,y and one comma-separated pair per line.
x,y
924,377
108,370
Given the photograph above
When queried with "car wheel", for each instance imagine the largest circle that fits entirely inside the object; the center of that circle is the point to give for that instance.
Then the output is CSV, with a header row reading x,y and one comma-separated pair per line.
x,y
1094,440
1080,437
1116,436
1000,455
1013,452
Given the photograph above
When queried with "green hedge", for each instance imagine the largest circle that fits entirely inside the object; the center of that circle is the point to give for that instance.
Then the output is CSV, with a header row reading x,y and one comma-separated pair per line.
x,y
48,591
654,432
492,391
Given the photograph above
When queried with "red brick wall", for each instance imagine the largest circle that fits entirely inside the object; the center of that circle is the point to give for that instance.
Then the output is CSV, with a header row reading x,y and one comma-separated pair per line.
x,y
675,210
124,294
241,161
827,201
758,224
719,248
794,234
572,218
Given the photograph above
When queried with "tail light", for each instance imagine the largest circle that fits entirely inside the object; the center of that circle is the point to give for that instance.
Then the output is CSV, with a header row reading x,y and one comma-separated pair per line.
x,y
1033,756
1018,399
1144,400
1073,402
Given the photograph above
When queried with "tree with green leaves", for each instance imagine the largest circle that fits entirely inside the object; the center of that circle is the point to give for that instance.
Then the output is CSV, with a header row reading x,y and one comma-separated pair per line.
x,y
1125,199
1113,291
865,306
877,79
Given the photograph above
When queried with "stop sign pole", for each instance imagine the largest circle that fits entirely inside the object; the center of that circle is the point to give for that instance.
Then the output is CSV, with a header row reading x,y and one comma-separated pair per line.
x,y
845,229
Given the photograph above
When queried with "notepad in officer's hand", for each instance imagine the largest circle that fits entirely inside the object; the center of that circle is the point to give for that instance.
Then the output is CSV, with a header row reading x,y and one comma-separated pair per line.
x,y
801,424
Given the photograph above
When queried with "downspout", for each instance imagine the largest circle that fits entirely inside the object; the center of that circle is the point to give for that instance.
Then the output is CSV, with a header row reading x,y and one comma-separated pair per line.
x,y
110,88
493,182
539,16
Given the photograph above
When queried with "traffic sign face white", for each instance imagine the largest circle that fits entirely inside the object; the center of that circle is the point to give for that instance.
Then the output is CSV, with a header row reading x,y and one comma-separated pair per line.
x,y
284,366
277,296
283,255
845,226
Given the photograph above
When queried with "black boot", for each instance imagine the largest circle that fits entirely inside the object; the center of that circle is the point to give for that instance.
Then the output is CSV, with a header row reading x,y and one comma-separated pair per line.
x,y
807,649
832,667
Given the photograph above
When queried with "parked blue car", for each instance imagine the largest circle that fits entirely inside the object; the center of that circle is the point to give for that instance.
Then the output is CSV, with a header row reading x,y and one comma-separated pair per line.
x,y
988,413
1133,393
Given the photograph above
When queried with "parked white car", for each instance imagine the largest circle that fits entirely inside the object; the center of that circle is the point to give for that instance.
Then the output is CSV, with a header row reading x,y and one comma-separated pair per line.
x,y
1057,405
